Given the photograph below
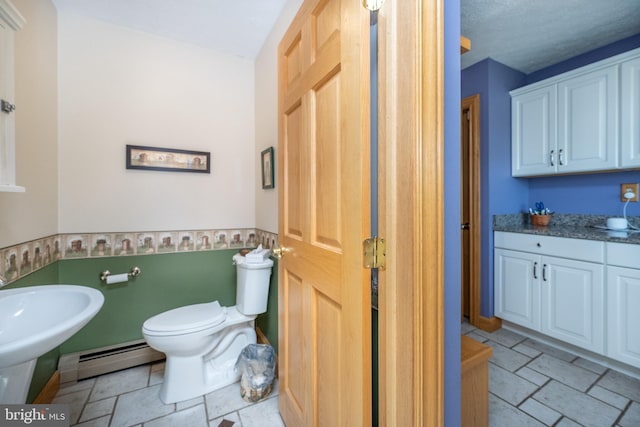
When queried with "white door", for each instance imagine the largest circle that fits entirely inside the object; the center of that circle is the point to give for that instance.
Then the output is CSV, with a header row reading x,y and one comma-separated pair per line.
x,y
572,302
534,132
517,290
630,114
623,296
588,121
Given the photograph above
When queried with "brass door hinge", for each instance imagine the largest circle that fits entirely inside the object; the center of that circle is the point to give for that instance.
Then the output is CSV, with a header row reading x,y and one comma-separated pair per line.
x,y
374,253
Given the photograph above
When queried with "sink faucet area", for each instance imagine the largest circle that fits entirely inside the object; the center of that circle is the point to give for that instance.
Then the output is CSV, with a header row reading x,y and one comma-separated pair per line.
x,y
33,321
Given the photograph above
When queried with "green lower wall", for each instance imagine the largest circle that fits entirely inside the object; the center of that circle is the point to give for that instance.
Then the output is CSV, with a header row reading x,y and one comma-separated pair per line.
x,y
167,281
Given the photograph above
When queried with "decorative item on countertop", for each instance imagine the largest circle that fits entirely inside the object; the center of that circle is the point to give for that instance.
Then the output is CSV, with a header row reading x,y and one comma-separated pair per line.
x,y
540,215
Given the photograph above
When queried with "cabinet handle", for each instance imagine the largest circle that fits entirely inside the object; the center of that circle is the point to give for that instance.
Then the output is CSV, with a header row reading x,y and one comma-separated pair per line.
x,y
560,157
551,157
544,272
535,270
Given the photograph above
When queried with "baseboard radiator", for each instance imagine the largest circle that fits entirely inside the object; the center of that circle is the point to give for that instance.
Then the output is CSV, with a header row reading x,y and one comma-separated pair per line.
x,y
90,363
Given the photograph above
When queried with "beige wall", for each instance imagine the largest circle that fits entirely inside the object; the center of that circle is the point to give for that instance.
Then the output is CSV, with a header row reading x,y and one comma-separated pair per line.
x,y
34,214
266,66
118,87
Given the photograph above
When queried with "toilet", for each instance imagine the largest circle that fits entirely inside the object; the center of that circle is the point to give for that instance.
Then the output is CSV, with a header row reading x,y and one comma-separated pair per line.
x,y
203,341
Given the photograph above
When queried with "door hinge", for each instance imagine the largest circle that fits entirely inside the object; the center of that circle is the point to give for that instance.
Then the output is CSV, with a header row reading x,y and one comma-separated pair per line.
x,y
374,253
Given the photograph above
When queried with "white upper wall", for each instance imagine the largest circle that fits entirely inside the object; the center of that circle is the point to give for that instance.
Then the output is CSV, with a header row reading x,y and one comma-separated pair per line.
x,y
34,214
118,87
266,114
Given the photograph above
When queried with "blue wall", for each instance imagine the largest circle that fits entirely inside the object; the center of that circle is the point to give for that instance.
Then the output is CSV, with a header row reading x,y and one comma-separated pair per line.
x,y
501,194
584,194
452,209
493,81
586,58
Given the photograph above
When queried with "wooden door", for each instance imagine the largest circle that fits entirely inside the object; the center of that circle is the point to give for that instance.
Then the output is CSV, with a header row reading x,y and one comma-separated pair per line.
x,y
470,207
323,156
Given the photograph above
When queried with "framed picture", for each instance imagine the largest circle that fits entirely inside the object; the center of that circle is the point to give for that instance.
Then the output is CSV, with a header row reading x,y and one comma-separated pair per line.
x,y
168,159
267,169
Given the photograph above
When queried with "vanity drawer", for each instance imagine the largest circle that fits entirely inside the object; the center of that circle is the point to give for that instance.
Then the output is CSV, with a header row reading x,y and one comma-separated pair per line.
x,y
580,249
623,255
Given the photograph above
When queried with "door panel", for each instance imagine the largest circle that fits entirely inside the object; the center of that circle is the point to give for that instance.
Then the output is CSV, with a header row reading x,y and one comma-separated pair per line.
x,y
324,298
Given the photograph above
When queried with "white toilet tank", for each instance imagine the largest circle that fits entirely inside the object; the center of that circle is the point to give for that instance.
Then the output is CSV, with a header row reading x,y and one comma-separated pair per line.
x,y
252,285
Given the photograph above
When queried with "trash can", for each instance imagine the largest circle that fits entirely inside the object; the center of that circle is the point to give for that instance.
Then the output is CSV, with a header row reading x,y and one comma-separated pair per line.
x,y
256,364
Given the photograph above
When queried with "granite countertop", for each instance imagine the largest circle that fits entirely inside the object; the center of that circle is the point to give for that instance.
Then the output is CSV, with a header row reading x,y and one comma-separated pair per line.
x,y
573,226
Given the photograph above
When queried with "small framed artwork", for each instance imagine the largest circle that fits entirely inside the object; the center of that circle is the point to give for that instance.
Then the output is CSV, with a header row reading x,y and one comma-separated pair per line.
x,y
168,159
267,169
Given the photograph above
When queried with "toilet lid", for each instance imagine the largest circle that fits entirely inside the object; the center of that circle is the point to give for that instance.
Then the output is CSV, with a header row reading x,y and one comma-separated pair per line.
x,y
190,318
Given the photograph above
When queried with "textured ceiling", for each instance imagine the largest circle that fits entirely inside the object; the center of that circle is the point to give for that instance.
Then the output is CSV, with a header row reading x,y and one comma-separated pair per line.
x,y
239,27
524,34
528,35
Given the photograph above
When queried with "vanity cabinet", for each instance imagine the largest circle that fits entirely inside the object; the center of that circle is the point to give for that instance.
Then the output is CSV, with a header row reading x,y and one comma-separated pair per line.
x,y
623,297
585,120
539,287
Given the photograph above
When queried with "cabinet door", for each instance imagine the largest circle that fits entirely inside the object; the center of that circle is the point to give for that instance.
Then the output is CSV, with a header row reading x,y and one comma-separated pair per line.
x,y
517,290
588,121
623,297
533,132
630,114
572,302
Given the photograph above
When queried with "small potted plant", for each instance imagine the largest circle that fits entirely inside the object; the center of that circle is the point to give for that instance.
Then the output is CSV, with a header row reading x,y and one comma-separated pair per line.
x,y
540,215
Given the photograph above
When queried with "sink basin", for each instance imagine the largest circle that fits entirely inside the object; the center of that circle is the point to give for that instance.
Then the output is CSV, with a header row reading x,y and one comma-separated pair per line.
x,y
33,321
37,319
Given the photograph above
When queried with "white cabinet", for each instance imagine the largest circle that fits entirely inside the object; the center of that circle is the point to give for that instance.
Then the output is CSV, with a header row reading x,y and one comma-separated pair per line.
x,y
581,121
517,288
588,122
623,298
534,132
572,302
560,297
630,114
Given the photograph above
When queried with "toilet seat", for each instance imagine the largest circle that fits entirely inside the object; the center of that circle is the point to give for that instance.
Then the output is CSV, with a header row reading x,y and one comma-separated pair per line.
x,y
184,320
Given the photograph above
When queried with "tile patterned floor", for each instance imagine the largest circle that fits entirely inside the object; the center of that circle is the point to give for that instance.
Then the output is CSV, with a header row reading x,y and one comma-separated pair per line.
x,y
532,384
130,398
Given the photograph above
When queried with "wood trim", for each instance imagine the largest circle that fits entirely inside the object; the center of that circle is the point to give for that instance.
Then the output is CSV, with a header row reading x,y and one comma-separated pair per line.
x,y
49,391
262,338
472,103
411,213
465,45
474,383
489,324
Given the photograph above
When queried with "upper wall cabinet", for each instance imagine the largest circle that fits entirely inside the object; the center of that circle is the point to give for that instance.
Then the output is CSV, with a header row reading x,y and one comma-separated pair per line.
x,y
571,123
630,114
10,22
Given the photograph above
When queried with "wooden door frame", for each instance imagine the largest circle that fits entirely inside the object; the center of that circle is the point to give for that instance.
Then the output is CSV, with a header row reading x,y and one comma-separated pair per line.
x,y
411,212
472,103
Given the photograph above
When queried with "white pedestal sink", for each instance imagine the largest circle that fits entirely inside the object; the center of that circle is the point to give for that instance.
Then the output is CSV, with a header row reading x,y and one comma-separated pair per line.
x,y
33,321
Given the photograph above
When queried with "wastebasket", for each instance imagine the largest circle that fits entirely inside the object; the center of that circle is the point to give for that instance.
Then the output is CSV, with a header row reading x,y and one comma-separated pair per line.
x,y
256,364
